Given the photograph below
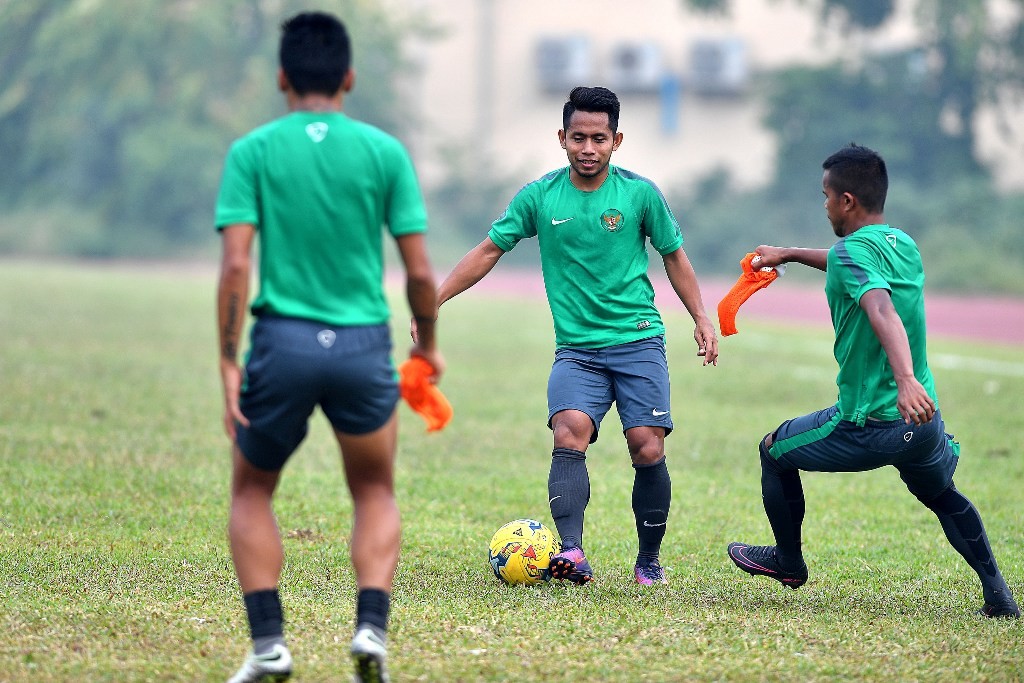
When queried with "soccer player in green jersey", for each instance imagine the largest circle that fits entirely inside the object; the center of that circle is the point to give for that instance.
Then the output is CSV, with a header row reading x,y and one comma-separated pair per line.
x,y
888,411
316,188
593,222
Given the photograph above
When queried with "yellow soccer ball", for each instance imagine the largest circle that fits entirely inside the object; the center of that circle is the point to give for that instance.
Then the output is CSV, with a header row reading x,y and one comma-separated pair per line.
x,y
521,551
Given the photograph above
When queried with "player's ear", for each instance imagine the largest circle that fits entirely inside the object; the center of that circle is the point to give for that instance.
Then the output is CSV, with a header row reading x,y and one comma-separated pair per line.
x,y
616,141
348,81
282,81
561,137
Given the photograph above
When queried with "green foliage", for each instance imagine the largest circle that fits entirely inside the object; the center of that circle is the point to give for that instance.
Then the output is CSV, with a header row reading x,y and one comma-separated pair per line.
x,y
889,104
120,112
915,107
115,470
968,234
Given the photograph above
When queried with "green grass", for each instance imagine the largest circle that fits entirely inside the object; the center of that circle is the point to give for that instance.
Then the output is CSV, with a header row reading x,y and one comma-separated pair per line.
x,y
113,498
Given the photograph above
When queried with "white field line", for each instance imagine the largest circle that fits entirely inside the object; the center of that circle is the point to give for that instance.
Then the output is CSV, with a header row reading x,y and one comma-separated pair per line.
x,y
1000,368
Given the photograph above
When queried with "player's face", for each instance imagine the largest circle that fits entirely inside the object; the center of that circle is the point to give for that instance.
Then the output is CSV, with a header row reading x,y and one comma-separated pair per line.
x,y
833,206
588,143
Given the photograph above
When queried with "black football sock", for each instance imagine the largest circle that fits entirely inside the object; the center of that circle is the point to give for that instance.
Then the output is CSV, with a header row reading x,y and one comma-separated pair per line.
x,y
372,608
963,527
652,497
783,498
266,619
568,494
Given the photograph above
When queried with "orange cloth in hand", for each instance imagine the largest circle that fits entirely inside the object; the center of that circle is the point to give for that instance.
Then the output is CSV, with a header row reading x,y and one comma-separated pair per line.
x,y
422,396
750,281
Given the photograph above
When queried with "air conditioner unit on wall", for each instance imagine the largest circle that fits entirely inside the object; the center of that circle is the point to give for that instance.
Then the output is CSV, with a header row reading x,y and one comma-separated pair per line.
x,y
719,67
563,63
635,67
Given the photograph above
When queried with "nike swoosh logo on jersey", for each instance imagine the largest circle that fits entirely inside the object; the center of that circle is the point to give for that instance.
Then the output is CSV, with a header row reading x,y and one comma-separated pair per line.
x,y
646,523
658,413
559,221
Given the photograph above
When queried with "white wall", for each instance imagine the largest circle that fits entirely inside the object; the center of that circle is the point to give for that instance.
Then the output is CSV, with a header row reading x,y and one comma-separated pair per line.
x,y
480,89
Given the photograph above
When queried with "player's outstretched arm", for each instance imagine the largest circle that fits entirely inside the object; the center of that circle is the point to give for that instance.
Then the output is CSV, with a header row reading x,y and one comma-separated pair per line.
x,y
776,256
422,297
912,400
467,272
470,270
684,282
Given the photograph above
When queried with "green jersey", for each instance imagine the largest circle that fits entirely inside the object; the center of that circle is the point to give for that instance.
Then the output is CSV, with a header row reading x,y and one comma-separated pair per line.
x,y
874,257
319,187
593,251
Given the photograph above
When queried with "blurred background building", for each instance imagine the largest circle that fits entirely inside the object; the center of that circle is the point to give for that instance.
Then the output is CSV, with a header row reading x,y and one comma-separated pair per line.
x,y
500,72
115,114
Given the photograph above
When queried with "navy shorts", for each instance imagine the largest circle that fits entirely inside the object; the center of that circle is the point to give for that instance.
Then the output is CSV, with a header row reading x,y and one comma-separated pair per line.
x,y
295,365
925,455
633,375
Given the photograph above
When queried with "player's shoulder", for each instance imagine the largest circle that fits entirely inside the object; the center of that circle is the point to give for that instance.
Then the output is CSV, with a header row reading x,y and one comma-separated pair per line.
x,y
370,131
271,128
559,175
638,186
257,136
877,236
633,179
541,185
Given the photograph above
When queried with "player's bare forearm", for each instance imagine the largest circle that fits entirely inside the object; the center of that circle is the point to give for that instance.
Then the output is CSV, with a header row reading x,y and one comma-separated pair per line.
x,y
776,256
422,298
420,288
232,298
421,293
230,313
470,270
233,289
913,401
684,282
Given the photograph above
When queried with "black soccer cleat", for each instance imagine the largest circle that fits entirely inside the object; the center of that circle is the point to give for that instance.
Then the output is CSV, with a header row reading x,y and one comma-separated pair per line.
x,y
762,560
1003,606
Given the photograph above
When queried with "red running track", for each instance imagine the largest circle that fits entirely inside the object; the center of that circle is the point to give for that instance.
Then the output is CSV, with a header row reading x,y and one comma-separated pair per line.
x,y
978,318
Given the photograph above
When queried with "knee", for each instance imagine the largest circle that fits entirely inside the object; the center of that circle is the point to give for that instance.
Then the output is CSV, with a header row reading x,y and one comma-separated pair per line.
x,y
572,431
947,501
767,461
647,452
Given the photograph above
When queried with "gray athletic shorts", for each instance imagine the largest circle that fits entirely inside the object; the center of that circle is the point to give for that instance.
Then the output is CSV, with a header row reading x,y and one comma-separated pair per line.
x,y
925,455
295,365
633,375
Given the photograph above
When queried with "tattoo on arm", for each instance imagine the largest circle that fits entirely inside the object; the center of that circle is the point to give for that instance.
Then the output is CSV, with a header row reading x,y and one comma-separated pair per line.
x,y
229,333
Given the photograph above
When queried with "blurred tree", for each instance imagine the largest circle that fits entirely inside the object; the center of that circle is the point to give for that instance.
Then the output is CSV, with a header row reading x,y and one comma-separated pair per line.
x,y
888,104
970,59
119,112
917,106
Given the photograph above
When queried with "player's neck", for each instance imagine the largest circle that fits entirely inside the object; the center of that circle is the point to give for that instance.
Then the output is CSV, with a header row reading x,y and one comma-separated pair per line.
x,y
872,219
315,102
587,183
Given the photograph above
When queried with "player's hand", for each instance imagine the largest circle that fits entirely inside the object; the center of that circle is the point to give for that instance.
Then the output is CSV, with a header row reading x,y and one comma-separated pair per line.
x,y
768,257
913,402
707,341
231,377
433,357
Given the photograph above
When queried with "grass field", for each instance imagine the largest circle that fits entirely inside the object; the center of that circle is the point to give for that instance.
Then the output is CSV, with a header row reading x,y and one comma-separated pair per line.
x,y
113,498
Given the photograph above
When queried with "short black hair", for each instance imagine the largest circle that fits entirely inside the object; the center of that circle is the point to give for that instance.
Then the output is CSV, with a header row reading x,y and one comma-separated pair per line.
x,y
596,99
315,52
861,172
